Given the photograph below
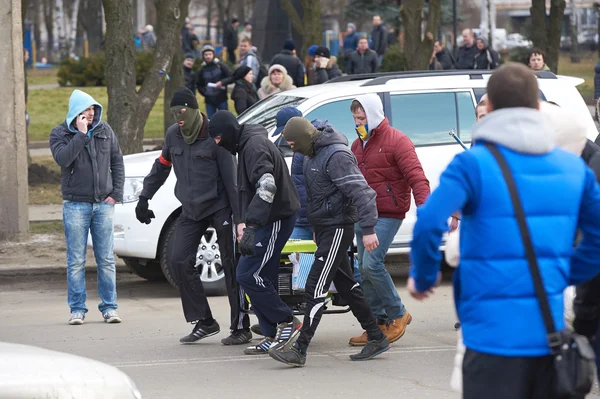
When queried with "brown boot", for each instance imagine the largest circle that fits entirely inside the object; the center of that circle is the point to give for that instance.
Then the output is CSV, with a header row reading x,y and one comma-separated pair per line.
x,y
362,340
397,327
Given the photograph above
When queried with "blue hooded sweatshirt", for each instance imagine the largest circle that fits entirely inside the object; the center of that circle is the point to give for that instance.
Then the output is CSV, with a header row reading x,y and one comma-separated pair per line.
x,y
79,102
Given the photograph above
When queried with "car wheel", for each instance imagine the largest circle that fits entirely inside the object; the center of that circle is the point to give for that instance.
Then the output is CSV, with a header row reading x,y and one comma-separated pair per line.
x,y
149,270
208,261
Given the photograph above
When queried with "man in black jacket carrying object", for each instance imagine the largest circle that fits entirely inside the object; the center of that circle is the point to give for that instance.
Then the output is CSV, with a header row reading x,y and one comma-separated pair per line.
x,y
206,188
268,206
338,195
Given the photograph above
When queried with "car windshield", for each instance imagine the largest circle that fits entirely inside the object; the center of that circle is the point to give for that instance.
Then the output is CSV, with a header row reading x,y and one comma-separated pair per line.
x,y
263,113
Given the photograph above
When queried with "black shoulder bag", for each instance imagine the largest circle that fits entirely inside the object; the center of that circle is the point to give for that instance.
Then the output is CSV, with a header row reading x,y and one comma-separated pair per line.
x,y
573,354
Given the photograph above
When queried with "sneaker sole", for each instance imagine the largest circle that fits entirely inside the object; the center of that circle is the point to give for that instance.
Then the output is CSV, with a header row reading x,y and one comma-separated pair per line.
x,y
75,322
403,332
379,352
113,320
255,353
275,356
231,343
201,338
285,345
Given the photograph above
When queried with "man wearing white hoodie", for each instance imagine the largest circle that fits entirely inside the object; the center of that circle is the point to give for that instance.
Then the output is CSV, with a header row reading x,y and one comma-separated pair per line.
x,y
389,162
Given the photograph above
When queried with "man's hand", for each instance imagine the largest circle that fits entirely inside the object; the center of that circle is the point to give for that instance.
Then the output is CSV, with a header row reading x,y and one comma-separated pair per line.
x,y
412,289
370,242
240,231
219,85
110,201
323,62
142,213
82,124
453,224
246,246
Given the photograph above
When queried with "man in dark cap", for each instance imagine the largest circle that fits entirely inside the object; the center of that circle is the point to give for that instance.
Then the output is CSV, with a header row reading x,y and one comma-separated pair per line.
x,y
206,188
326,64
338,196
290,62
268,205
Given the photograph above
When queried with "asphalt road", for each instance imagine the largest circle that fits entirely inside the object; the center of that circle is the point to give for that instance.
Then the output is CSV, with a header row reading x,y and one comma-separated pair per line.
x,y
33,311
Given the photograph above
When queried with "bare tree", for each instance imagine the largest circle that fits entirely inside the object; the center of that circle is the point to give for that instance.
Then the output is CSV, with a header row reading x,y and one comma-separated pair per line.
x,y
547,36
128,109
309,26
59,19
418,51
90,17
72,27
48,12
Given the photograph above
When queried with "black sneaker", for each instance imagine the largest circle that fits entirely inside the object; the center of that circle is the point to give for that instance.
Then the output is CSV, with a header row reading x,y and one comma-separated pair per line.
x,y
201,331
291,357
286,335
372,349
256,329
262,348
238,337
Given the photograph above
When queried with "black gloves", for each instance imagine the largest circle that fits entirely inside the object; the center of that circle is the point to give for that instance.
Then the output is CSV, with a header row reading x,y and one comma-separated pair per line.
x,y
142,213
246,245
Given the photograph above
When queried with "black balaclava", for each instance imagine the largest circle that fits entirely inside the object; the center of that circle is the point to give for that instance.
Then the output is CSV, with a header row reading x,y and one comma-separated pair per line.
x,y
225,125
192,118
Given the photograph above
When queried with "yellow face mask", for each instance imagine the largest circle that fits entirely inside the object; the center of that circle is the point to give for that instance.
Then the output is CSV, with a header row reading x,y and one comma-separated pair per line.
x,y
362,132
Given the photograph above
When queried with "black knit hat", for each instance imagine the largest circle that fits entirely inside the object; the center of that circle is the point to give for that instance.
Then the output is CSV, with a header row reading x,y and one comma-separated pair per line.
x,y
185,98
241,72
323,52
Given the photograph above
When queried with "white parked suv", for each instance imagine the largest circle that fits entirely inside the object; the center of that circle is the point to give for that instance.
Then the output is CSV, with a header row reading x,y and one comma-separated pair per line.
x,y
426,106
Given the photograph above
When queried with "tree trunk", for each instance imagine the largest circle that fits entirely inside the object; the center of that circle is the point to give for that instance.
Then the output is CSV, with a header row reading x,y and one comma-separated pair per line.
x,y
309,26
575,58
241,10
128,110
49,22
539,35
60,21
73,28
209,8
176,70
37,32
557,12
91,10
418,51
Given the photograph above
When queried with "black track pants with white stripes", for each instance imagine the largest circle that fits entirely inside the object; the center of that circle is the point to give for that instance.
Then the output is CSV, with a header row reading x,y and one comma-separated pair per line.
x,y
258,275
332,263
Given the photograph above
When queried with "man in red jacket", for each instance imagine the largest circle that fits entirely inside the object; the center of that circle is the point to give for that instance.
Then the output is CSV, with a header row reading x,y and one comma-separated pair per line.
x,y
389,163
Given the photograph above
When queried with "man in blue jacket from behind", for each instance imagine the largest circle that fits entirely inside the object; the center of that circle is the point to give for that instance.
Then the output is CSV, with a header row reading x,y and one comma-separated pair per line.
x,y
507,352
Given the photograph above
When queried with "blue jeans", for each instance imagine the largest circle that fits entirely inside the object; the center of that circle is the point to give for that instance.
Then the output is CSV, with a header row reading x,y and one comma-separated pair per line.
x,y
212,109
80,218
376,282
302,233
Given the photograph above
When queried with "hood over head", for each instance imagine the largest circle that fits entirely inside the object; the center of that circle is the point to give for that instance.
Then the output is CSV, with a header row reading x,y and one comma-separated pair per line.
x,y
79,102
328,136
569,128
225,125
373,109
523,130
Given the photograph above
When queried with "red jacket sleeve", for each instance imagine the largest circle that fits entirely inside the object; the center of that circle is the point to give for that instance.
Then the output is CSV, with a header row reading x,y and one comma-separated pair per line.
x,y
410,167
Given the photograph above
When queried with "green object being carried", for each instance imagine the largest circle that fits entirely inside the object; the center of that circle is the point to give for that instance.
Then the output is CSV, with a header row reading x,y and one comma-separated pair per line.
x,y
302,246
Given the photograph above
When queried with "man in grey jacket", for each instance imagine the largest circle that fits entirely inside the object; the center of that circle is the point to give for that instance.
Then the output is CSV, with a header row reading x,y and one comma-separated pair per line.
x,y
363,60
92,177
338,195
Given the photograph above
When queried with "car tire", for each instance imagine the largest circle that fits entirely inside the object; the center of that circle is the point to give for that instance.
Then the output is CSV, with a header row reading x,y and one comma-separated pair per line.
x,y
150,271
213,286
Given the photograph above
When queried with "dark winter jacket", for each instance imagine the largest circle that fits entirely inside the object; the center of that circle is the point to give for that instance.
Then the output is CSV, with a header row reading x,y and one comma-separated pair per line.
x,y
206,181
189,79
332,71
597,81
212,73
243,95
294,66
230,37
298,179
587,300
362,62
187,46
486,59
91,165
257,156
466,57
445,59
337,193
350,44
379,37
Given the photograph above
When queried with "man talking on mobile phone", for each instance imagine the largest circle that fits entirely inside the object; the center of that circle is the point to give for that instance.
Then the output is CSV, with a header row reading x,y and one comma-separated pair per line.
x,y
92,176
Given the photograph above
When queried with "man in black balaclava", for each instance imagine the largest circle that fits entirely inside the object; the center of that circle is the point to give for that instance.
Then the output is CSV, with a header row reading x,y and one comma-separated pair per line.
x,y
206,188
268,205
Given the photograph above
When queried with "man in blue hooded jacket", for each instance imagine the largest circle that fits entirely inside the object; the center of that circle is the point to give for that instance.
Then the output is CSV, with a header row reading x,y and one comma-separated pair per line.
x,y
92,177
507,354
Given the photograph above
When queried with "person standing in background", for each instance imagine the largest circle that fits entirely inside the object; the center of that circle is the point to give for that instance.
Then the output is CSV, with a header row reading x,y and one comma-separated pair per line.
x,y
379,38
230,39
350,45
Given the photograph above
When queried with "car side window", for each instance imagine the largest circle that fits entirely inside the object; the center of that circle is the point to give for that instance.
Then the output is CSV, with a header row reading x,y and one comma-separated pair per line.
x,y
466,115
338,115
426,118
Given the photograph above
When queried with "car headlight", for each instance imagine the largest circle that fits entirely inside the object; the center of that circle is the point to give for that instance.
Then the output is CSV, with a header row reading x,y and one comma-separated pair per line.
x,y
132,189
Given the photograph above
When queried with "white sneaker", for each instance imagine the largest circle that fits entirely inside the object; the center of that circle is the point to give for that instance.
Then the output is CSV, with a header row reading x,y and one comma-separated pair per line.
x,y
111,316
76,318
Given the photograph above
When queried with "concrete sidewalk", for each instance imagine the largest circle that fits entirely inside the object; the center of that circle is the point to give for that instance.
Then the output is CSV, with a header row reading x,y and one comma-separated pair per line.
x,y
45,213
